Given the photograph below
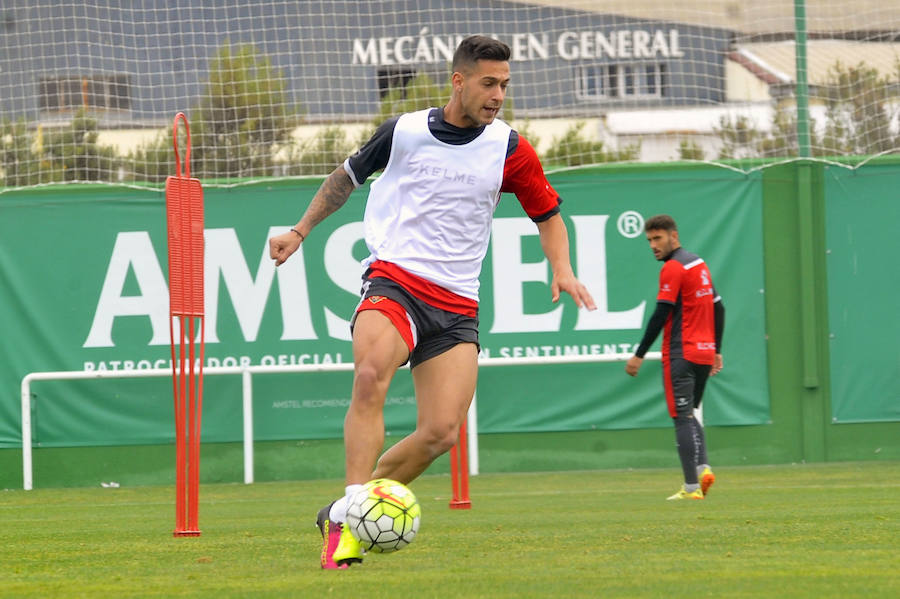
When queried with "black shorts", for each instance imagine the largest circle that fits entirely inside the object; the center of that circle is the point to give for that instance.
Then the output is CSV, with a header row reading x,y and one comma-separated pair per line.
x,y
684,382
427,330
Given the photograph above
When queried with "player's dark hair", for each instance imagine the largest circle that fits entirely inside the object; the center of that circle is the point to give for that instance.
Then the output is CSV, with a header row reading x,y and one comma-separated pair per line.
x,y
479,47
659,222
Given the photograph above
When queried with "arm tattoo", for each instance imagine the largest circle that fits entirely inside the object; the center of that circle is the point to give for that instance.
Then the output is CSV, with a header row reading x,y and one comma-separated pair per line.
x,y
331,195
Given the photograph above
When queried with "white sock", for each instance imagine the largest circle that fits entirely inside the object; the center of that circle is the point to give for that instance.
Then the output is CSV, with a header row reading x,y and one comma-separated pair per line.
x,y
338,512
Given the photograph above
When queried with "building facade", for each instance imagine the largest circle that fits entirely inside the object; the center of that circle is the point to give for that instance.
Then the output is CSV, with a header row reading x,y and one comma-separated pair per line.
x,y
139,63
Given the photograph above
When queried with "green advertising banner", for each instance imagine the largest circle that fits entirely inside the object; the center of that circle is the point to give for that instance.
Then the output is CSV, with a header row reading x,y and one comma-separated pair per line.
x,y
719,218
83,287
861,214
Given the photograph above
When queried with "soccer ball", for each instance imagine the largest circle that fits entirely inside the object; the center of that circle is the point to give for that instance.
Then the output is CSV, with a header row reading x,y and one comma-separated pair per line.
x,y
384,515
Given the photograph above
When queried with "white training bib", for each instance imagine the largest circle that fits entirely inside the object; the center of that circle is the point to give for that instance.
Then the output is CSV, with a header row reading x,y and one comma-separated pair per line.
x,y
430,211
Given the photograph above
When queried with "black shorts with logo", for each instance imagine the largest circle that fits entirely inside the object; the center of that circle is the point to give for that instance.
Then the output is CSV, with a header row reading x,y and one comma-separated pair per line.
x,y
435,330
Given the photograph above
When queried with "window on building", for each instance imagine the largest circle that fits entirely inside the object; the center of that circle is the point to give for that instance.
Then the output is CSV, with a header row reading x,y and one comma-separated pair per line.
x,y
651,83
591,82
628,77
94,92
611,81
654,80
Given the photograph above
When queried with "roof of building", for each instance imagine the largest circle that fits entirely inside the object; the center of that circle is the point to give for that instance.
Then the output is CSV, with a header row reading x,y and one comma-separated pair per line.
x,y
752,18
671,122
774,62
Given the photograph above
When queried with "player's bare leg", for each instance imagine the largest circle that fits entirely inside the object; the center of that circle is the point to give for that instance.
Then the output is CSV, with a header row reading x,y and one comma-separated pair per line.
x,y
444,388
378,350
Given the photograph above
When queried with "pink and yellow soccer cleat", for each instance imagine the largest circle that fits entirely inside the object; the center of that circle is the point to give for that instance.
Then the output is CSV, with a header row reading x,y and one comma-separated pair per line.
x,y
339,547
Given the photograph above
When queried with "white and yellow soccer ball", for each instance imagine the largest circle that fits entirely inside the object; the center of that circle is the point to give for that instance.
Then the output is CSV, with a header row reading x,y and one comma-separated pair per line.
x,y
384,515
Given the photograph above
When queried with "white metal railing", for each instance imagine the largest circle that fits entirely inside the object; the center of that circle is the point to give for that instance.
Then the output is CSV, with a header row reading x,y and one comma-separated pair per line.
x,y
246,373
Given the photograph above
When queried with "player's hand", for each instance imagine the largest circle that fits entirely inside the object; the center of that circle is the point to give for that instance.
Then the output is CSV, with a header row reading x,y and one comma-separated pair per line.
x,y
717,366
282,246
633,365
573,287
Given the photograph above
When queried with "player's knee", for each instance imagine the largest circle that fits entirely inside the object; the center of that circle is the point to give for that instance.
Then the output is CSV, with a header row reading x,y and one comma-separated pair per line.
x,y
439,438
368,383
684,409
446,442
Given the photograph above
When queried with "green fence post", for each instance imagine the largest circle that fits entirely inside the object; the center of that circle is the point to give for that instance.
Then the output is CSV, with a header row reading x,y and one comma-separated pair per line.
x,y
802,81
807,243
813,400
805,207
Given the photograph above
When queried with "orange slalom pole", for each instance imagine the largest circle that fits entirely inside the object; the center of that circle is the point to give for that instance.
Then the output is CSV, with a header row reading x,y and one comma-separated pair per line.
x,y
459,472
196,407
178,384
184,217
193,436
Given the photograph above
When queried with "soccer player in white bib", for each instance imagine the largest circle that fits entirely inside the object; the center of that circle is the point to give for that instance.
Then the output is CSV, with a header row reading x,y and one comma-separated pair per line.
x,y
427,226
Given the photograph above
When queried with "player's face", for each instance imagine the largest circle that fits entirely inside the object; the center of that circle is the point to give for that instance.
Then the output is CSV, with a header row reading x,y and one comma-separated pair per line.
x,y
482,91
662,242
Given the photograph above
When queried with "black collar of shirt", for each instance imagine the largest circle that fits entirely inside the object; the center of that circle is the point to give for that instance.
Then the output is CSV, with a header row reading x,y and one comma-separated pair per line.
x,y
671,254
450,134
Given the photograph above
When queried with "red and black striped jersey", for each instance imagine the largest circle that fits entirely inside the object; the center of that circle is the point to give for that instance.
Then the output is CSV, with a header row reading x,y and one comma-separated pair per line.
x,y
689,332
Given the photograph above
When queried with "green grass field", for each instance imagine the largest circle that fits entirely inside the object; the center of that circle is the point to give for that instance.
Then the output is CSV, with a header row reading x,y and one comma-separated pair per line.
x,y
828,530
